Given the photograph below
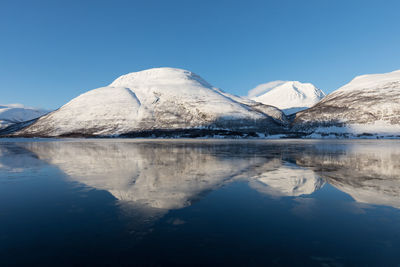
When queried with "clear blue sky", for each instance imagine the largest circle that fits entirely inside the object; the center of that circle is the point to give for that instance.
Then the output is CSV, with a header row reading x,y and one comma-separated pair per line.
x,y
52,51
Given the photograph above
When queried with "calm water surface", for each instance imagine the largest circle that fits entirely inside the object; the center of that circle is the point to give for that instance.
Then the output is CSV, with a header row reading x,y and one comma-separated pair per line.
x,y
155,202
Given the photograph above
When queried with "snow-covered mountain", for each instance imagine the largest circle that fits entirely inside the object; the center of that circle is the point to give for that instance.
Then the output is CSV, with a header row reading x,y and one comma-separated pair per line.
x,y
159,99
14,113
289,96
369,104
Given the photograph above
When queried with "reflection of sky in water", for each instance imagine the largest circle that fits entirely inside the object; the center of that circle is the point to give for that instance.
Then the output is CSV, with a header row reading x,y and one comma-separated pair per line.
x,y
180,189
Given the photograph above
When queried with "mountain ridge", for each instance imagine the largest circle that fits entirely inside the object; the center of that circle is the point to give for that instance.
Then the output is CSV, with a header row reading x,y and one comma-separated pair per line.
x,y
170,102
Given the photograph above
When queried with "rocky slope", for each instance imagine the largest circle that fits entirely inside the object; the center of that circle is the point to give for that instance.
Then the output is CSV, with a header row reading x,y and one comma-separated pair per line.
x,y
154,100
368,105
289,96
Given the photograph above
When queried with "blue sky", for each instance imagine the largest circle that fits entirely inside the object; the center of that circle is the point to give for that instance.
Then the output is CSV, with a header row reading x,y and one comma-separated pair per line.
x,y
52,51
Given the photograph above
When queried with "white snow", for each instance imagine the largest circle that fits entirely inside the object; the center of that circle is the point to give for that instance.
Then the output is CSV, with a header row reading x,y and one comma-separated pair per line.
x,y
369,104
179,85
378,127
160,98
372,81
373,130
13,113
264,88
289,96
111,106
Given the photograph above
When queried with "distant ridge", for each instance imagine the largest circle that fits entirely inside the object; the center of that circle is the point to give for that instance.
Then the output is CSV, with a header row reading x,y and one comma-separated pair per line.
x,y
16,113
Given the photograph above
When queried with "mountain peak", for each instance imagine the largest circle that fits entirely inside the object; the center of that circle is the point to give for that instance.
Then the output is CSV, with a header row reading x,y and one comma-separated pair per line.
x,y
290,96
164,75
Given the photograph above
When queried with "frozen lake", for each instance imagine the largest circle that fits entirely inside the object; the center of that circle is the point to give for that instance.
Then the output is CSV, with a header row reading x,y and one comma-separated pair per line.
x,y
161,202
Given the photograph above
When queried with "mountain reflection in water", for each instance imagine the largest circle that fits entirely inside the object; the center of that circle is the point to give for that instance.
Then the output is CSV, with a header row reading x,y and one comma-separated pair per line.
x,y
206,202
171,174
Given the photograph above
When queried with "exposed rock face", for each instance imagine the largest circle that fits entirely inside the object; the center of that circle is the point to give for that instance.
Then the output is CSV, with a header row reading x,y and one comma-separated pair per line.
x,y
289,96
368,104
153,100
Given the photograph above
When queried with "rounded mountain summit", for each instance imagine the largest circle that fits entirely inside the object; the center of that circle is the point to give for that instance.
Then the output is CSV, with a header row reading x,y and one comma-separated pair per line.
x,y
153,101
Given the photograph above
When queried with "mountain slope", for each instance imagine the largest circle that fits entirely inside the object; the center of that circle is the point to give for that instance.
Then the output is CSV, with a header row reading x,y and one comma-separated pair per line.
x,y
289,96
369,104
15,113
158,99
